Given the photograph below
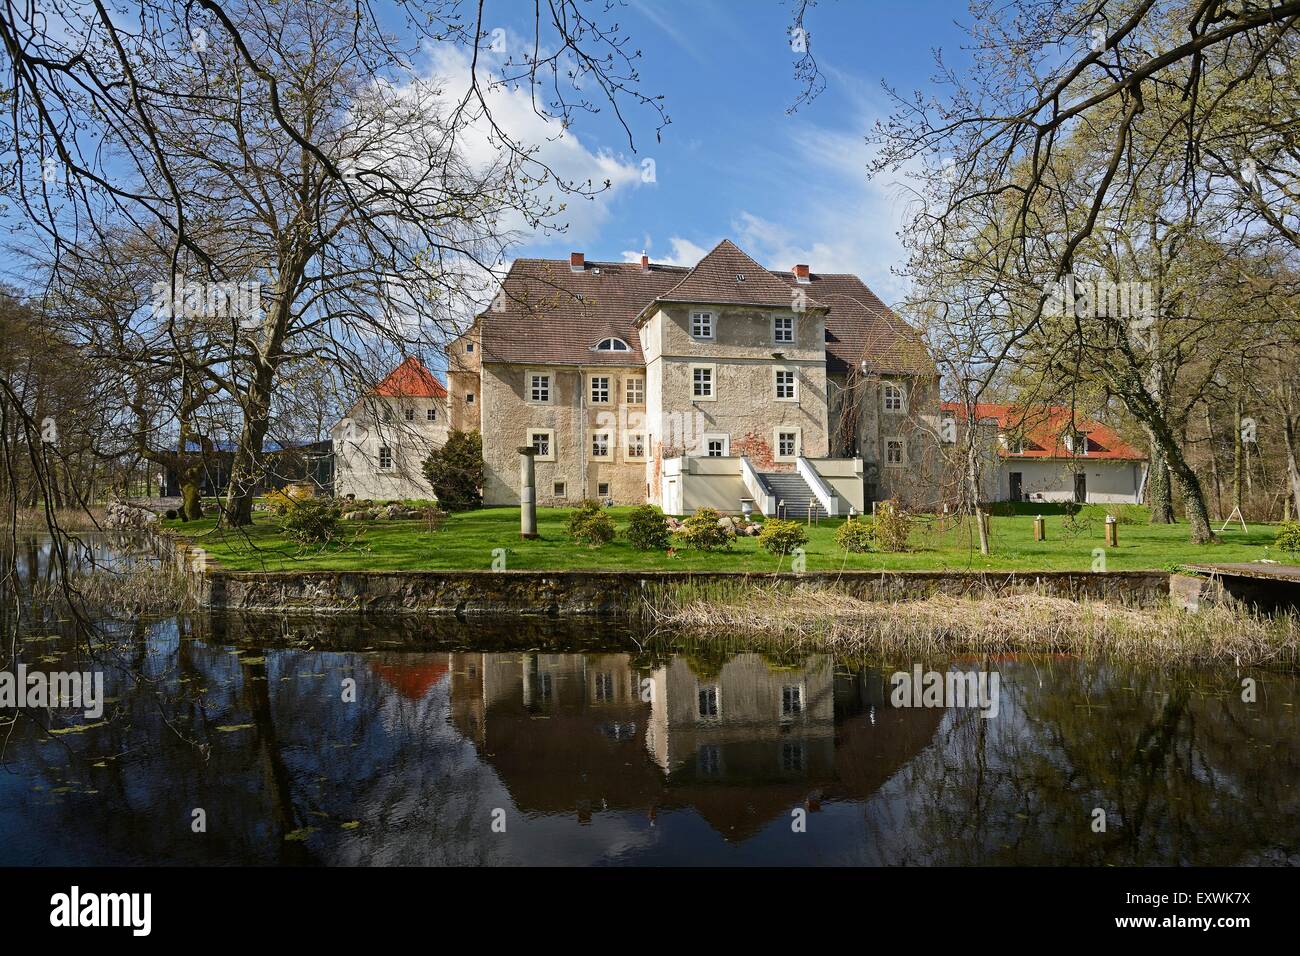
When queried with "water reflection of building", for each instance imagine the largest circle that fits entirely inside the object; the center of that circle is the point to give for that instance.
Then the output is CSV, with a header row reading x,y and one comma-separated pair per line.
x,y
740,744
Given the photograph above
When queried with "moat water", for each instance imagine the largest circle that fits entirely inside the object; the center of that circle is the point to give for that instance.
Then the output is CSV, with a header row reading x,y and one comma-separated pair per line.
x,y
230,739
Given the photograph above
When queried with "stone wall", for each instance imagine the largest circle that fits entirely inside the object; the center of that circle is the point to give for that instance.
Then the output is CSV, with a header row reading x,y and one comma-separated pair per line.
x,y
619,594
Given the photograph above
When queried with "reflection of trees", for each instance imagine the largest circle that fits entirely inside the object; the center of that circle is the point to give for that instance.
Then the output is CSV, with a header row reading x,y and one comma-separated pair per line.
x,y
1185,772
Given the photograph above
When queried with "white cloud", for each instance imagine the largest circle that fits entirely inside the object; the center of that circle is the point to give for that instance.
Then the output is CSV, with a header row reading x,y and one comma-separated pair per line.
x,y
571,160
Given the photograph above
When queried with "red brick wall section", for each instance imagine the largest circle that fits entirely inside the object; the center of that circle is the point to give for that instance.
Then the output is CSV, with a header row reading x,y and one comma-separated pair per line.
x,y
758,450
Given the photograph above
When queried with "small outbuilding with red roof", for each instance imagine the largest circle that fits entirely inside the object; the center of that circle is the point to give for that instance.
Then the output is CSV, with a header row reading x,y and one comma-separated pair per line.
x,y
1050,453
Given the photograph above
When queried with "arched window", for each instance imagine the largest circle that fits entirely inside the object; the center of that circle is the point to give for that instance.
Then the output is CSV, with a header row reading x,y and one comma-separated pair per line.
x,y
613,345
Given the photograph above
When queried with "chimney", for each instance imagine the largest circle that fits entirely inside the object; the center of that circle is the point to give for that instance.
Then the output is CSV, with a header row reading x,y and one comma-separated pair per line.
x,y
577,261
645,262
801,273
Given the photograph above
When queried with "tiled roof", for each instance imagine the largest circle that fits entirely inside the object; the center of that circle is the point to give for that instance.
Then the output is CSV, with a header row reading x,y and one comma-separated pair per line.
x,y
1043,428
411,380
726,276
549,313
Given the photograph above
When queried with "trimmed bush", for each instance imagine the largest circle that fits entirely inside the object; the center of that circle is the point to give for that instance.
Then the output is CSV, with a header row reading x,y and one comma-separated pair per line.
x,y
780,536
455,471
892,525
856,535
590,524
647,528
1288,536
313,520
703,531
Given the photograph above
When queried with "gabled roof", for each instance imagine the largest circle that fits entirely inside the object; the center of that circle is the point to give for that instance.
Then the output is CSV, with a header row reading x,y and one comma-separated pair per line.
x,y
726,276
1043,429
411,380
549,313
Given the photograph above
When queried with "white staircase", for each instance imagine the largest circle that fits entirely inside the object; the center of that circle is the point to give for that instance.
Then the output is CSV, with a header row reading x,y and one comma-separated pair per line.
x,y
790,487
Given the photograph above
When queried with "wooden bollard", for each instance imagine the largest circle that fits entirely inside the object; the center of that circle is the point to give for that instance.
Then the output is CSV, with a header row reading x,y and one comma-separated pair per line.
x,y
1112,532
984,520
1040,529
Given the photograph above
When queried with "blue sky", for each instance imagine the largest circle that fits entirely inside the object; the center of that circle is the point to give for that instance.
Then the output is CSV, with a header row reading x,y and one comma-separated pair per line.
x,y
733,163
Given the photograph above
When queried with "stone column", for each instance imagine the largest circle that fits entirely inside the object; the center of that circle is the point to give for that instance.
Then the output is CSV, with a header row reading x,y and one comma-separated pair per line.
x,y
527,493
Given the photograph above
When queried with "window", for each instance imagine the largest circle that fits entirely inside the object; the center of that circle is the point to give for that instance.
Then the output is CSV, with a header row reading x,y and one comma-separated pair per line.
x,y
895,452
431,414
893,398
783,329
469,398
792,700
410,414
702,382
634,446
785,385
788,443
792,756
539,387
385,457
716,445
702,325
543,442
600,390
602,489
469,346
708,758
387,415
635,391
559,490
708,701
613,345
600,444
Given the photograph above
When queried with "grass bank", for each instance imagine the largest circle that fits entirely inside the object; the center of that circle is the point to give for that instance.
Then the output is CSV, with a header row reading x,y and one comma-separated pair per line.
x,y
731,618
475,539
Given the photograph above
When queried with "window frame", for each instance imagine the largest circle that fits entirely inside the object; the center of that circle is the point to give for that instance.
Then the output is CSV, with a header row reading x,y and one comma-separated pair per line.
x,y
777,432
712,324
431,413
776,384
639,381
592,435
385,451
603,494
886,388
630,434
779,318
712,369
724,437
902,451
563,491
550,443
530,387
608,388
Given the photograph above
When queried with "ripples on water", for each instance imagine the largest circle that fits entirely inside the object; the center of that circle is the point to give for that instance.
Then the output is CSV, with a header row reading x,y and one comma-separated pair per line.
x,y
593,752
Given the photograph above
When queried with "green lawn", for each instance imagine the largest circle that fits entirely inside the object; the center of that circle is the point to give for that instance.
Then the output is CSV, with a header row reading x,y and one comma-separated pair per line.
x,y
467,541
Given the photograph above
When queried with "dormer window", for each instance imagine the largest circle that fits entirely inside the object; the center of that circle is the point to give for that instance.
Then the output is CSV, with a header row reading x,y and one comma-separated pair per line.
x,y
1076,443
740,277
612,345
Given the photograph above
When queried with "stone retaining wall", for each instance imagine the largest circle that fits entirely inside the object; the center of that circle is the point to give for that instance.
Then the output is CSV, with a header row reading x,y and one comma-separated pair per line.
x,y
621,594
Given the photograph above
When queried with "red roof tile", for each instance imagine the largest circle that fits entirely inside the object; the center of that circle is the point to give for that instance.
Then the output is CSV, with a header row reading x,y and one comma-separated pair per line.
x,y
1043,428
411,380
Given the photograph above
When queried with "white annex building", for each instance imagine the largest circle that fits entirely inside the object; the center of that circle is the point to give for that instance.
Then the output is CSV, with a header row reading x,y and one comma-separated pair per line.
x,y
1048,454
381,444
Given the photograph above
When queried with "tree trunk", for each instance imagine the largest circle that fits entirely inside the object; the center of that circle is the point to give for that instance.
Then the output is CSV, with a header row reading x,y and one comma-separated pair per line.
x,y
1214,462
1292,468
1159,491
1193,498
246,469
